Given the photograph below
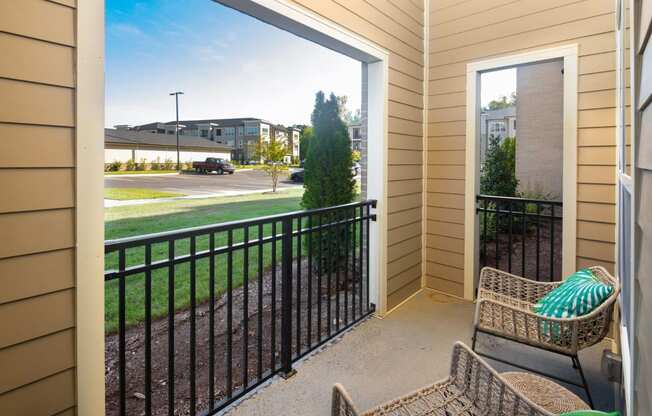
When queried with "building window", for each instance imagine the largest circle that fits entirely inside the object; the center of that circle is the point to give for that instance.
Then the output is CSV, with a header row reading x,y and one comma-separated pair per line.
x,y
204,133
251,130
229,131
240,131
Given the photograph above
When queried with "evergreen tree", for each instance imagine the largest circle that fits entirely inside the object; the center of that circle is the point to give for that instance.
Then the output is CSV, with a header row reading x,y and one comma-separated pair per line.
x,y
328,179
304,142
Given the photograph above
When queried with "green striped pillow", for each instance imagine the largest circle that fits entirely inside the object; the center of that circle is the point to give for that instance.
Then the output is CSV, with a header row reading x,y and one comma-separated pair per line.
x,y
581,293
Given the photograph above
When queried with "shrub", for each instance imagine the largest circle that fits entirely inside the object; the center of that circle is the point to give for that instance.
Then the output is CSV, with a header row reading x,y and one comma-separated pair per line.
x,y
168,164
130,165
142,165
498,173
114,166
156,164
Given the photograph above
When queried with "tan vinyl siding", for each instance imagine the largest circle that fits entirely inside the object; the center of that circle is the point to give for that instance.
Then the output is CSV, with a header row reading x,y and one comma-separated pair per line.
x,y
643,283
463,32
37,209
397,26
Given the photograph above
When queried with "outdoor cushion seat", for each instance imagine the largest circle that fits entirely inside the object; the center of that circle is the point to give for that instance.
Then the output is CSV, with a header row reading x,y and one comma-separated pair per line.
x,y
505,308
472,388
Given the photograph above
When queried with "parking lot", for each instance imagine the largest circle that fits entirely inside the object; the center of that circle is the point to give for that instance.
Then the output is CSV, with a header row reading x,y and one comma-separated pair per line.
x,y
194,184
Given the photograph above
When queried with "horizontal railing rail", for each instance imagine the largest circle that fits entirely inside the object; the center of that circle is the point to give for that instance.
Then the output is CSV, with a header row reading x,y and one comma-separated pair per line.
x,y
521,235
198,317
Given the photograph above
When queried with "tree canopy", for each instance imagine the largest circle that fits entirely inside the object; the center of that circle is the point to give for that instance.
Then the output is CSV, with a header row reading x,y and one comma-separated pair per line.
x,y
328,179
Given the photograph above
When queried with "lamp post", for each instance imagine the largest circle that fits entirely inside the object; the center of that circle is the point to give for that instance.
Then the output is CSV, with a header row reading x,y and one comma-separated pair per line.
x,y
176,98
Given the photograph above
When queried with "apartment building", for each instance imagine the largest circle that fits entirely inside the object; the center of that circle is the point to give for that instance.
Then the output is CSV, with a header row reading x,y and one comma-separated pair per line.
x,y
242,135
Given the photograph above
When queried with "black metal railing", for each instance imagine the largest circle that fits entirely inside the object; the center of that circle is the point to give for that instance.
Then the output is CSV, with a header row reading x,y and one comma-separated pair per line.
x,y
521,236
198,317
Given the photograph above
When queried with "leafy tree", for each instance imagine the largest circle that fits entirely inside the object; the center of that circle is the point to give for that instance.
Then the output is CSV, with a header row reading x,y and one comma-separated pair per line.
x,y
273,154
304,141
328,180
356,155
502,102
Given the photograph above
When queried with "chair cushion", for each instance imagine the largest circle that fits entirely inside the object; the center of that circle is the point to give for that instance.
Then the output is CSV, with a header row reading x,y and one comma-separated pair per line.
x,y
580,293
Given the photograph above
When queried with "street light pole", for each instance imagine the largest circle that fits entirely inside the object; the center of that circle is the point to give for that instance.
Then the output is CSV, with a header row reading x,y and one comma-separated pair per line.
x,y
176,97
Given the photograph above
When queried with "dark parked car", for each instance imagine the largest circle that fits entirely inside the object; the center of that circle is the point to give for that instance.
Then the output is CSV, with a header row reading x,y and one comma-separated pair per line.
x,y
297,175
214,164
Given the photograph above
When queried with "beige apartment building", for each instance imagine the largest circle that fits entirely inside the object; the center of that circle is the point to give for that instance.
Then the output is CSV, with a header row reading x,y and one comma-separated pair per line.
x,y
422,58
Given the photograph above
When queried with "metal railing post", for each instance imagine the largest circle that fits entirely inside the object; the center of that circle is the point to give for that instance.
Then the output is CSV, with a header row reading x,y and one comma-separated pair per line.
x,y
286,301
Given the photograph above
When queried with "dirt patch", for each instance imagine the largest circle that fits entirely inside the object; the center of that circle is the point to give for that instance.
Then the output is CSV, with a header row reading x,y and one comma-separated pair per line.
x,y
529,255
255,339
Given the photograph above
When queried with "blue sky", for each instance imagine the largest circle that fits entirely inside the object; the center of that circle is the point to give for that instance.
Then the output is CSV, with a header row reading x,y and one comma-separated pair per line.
x,y
228,64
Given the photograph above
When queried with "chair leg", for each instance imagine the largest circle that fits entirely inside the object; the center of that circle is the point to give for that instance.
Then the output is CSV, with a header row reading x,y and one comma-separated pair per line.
x,y
474,339
576,361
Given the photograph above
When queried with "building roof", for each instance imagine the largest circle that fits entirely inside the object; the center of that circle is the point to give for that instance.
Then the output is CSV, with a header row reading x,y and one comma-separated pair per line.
x,y
133,137
222,122
500,113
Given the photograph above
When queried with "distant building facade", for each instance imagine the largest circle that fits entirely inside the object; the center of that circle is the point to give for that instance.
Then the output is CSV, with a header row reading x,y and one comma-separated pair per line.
x,y
123,144
498,123
241,135
356,134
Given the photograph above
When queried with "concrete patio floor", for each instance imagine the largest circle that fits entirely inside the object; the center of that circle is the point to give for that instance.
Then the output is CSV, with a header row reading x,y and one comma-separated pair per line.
x,y
411,347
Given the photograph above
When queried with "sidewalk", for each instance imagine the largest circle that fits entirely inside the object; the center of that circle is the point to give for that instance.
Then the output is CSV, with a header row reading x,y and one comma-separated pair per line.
x,y
110,203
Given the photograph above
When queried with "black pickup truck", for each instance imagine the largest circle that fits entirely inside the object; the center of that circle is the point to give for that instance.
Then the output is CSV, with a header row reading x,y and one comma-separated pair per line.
x,y
214,164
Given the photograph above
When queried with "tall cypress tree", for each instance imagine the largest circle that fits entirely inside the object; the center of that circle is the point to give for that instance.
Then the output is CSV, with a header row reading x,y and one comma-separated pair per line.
x,y
328,179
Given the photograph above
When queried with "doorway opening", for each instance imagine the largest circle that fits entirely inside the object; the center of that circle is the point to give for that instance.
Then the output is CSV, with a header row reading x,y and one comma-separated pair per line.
x,y
521,163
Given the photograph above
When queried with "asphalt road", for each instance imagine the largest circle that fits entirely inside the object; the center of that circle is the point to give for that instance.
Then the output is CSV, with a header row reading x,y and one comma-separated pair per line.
x,y
195,184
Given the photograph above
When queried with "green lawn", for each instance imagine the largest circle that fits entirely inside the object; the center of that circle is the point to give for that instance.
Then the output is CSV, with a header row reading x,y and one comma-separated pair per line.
x,y
139,172
123,194
156,217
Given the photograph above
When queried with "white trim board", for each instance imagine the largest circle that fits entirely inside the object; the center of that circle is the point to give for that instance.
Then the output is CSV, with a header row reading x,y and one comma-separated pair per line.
x,y
89,205
569,54
315,28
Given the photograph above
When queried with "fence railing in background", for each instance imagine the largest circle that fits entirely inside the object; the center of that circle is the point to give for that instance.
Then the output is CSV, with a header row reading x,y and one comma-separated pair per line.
x,y
196,318
521,236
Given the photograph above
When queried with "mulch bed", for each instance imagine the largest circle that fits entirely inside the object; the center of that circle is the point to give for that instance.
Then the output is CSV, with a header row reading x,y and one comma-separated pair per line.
x,y
544,253
135,342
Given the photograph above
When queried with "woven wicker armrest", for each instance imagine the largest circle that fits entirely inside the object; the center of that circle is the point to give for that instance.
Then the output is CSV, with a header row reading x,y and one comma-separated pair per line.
x,y
565,335
473,388
342,405
513,286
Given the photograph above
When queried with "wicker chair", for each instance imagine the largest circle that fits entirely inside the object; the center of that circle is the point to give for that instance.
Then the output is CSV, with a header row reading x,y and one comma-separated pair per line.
x,y
472,388
504,309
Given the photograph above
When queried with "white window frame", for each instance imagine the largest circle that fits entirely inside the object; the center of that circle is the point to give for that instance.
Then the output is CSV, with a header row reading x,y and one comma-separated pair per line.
x,y
569,54
625,184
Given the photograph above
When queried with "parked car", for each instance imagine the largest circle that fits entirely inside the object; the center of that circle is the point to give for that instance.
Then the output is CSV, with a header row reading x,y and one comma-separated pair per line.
x,y
214,164
296,174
